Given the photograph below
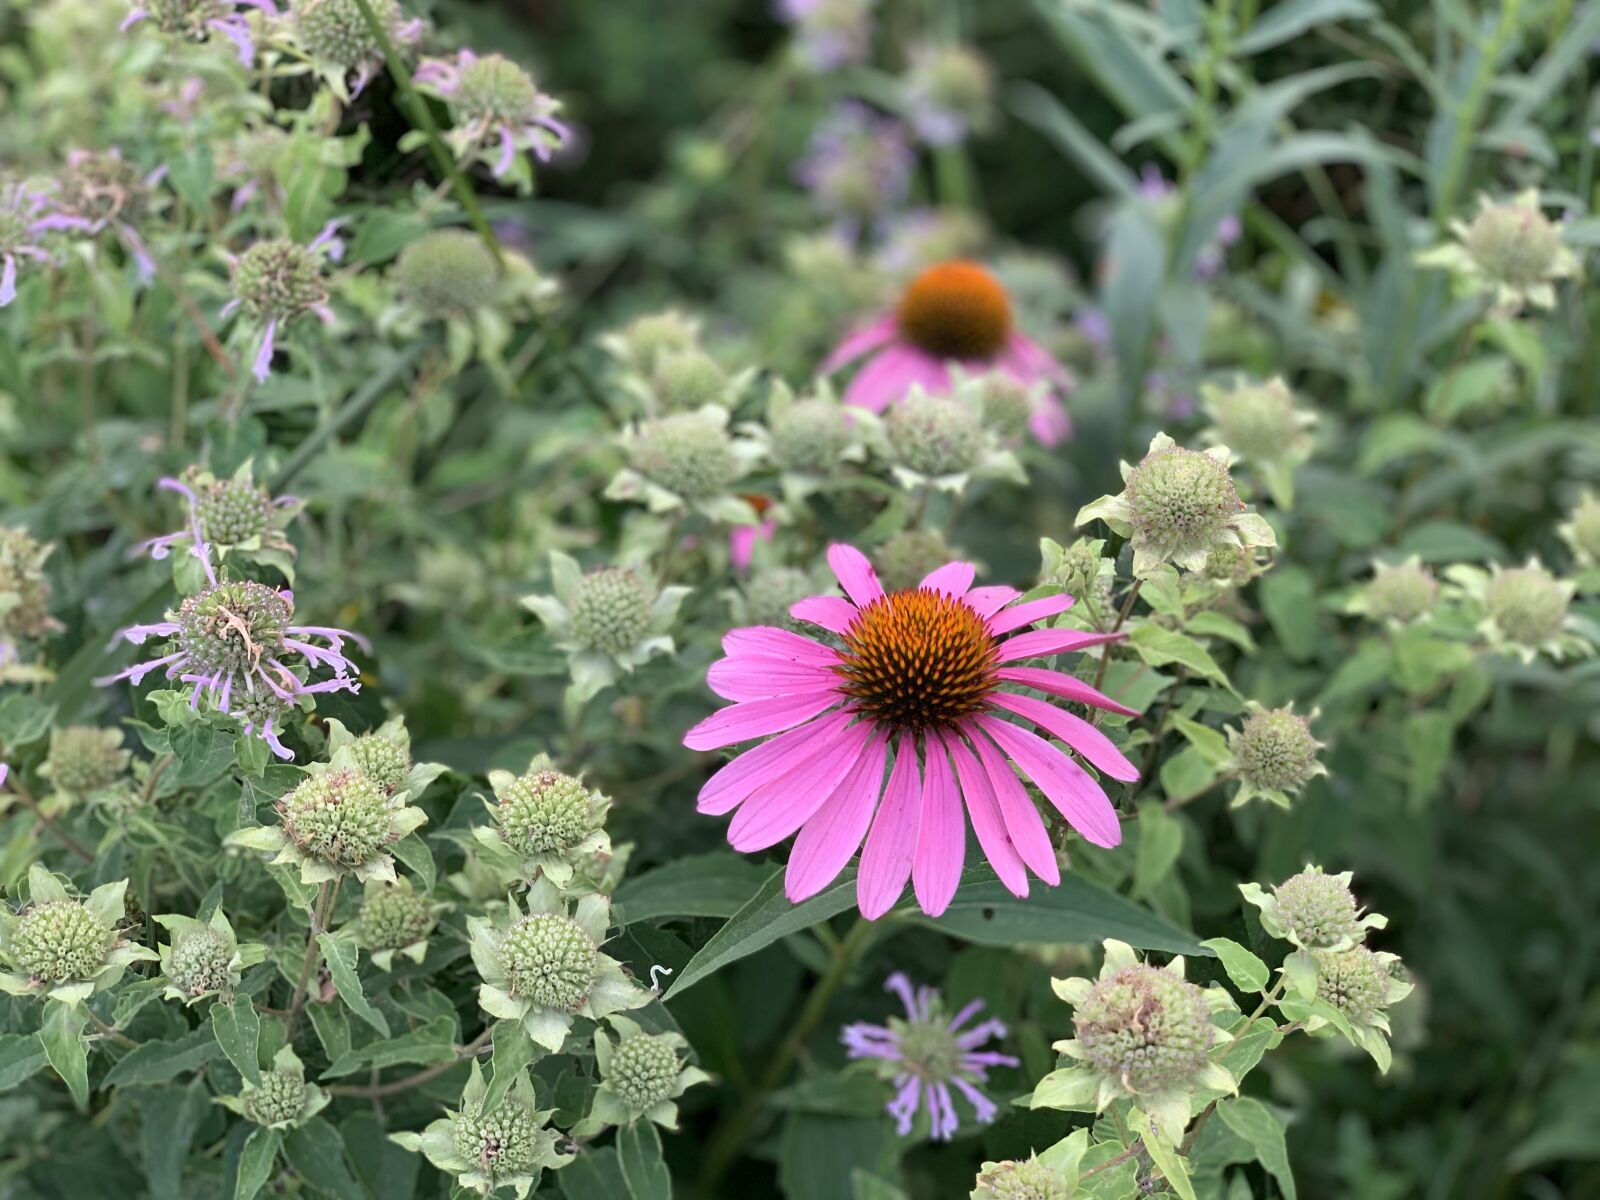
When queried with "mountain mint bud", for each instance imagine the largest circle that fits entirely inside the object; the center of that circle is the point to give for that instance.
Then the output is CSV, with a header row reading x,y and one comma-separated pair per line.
x,y
1145,1027
502,1142
232,511
649,339
446,272
549,959
544,811
1026,1180
60,941
770,594
1528,604
686,453
24,590
1275,751
1258,421
611,609
393,917
644,1070
906,558
187,19
1318,910
935,435
810,436
1405,592
227,628
275,280
1353,981
1514,244
689,379
200,960
336,31
1007,405
85,759
280,1099
1180,501
340,817
1582,530
494,90
382,759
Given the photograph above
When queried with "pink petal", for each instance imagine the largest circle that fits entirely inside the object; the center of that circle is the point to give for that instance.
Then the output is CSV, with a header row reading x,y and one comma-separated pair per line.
x,y
833,613
768,641
1022,819
941,836
1019,615
886,379
1049,422
1058,683
859,342
1074,731
953,579
784,805
834,831
1035,359
756,678
757,718
986,601
856,576
886,861
736,780
1041,642
1064,783
987,822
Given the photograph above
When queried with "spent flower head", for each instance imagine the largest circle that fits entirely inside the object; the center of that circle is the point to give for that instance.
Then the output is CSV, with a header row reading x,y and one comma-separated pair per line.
x,y
1178,505
24,594
64,948
1525,611
929,1055
282,1099
1274,754
488,1148
544,967
546,824
1314,911
1398,594
394,919
203,958
1144,1033
687,460
641,1075
276,281
1510,250
497,110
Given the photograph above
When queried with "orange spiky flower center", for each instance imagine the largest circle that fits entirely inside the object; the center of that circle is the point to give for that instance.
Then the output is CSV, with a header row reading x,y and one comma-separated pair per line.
x,y
918,660
956,310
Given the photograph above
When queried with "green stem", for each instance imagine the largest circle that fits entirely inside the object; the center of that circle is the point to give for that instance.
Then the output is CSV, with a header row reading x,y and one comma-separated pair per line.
x,y
1455,164
319,920
116,1035
377,1090
730,1136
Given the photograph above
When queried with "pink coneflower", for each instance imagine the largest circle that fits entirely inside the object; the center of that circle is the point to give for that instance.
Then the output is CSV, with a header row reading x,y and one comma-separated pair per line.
x,y
953,313
919,671
926,1054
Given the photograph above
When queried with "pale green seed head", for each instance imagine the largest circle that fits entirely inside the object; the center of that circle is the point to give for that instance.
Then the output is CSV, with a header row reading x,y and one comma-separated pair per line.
x,y
935,435
689,379
1180,500
341,818
382,759
1407,591
644,1070
686,453
906,558
60,941
1353,981
500,1143
1514,244
336,32
447,272
281,1097
1028,1179
394,917
233,511
1275,750
770,594
274,280
497,89
85,758
810,436
1318,910
24,589
1527,604
545,811
1257,420
199,962
611,609
549,959
1146,1028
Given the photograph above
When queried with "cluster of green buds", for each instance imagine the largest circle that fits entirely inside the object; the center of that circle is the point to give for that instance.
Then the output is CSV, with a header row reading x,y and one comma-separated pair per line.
x,y
766,597
395,919
335,39
941,441
1261,425
1051,1175
204,958
547,824
1510,250
1398,594
1084,572
488,1146
544,966
905,558
1273,754
1336,983
641,1074
85,760
1581,531
1144,1034
1524,611
609,621
24,596
280,1097
807,437
1180,506
687,461
63,948
384,756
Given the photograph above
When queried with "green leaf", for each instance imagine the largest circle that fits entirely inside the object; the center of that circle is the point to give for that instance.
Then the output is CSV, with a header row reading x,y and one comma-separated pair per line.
x,y
819,1157
23,720
1160,647
169,1120
596,1175
1449,541
157,1062
316,1151
203,754
62,1036
1052,118
255,1162
764,918
333,1029
639,1154
1160,843
21,1057
1211,743
417,855
1168,1161
1260,1126
1288,597
340,954
514,1052
1247,971
238,1032
1186,774
708,885
1288,20
433,1042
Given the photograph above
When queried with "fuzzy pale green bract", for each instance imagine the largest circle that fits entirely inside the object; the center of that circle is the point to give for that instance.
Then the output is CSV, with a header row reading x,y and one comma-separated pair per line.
x,y
807,437
385,756
337,821
1524,611
486,1150
686,461
85,760
640,1077
543,966
204,958
1349,993
395,919
283,1099
609,621
1260,423
1398,594
1313,910
1050,1175
1273,754
1145,1035
1581,532
62,948
1180,506
1511,251
546,824
941,441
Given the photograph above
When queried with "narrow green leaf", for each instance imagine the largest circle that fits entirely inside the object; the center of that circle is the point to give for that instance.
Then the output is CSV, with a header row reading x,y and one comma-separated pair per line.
x,y
316,1151
1168,1161
341,955
1247,971
21,1057
62,1036
514,1052
1160,843
417,855
643,1171
238,1032
256,1162
433,1042
1160,647
169,1120
708,885
157,1062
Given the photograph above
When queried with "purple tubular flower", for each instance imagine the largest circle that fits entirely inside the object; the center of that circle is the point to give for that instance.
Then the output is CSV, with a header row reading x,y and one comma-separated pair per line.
x,y
25,217
925,1055
858,167
197,20
496,107
829,34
